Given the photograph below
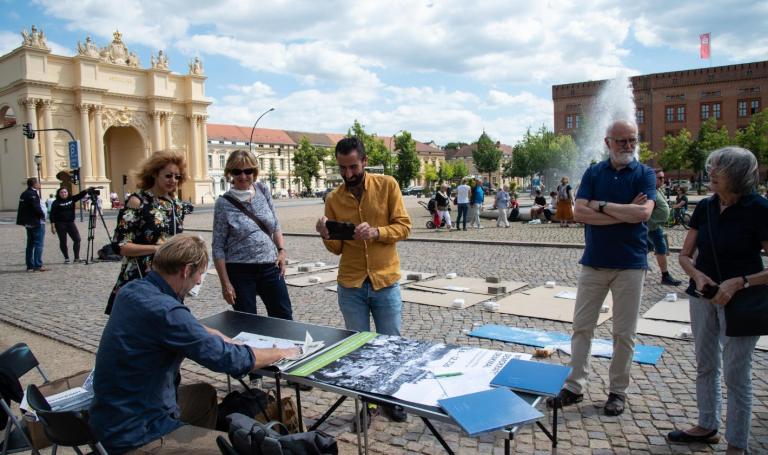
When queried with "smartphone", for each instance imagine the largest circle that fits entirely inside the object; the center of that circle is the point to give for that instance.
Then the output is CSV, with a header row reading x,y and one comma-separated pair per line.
x,y
708,292
338,230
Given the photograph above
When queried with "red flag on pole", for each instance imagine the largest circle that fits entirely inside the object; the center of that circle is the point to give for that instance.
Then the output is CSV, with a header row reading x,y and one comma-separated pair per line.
x,y
704,50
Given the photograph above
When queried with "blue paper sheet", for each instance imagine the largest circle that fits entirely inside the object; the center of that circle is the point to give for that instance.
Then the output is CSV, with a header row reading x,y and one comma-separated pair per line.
x,y
644,354
489,410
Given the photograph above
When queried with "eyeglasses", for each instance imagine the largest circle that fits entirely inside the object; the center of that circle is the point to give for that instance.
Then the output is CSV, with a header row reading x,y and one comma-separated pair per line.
x,y
248,171
174,176
624,142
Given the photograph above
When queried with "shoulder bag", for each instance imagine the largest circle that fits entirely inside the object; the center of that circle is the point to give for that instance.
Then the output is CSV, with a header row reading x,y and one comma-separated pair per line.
x,y
248,213
746,314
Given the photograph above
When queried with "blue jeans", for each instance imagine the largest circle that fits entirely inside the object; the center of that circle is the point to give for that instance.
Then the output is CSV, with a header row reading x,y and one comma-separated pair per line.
x,y
462,215
264,280
717,354
386,306
34,253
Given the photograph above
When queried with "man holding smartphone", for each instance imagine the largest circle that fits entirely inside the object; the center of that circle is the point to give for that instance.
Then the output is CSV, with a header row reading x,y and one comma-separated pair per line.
x,y
369,269
614,201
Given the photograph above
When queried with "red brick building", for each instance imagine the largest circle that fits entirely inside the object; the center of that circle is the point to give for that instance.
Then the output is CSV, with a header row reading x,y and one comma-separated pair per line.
x,y
669,102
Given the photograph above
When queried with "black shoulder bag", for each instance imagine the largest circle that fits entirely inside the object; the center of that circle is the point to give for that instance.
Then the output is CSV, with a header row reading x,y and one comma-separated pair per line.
x,y
746,314
248,213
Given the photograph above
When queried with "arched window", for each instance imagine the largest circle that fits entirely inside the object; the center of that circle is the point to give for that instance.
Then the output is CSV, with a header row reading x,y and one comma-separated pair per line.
x,y
7,117
223,184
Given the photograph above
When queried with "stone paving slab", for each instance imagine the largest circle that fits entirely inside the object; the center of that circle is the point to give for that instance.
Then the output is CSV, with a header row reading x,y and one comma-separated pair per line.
x,y
67,303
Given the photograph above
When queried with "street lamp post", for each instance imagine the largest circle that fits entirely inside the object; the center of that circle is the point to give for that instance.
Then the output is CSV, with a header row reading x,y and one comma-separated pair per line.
x,y
250,141
38,160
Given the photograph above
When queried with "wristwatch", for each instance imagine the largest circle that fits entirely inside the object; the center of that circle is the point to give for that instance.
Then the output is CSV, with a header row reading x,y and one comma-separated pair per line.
x,y
601,206
746,281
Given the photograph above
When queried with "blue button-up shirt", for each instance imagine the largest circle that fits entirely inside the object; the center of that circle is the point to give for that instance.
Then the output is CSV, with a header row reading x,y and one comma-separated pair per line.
x,y
623,245
149,334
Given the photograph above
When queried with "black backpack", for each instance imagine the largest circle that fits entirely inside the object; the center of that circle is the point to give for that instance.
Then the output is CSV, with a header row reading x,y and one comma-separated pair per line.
x,y
107,253
249,403
249,437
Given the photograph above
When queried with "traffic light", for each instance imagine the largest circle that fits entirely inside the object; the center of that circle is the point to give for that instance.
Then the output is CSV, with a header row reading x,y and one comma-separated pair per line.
x,y
27,131
75,174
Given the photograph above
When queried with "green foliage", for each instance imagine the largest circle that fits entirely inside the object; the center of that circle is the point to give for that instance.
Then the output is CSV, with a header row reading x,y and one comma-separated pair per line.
x,y
541,152
674,155
430,174
710,138
408,165
454,145
646,154
460,169
306,162
486,156
272,175
755,136
378,153
446,171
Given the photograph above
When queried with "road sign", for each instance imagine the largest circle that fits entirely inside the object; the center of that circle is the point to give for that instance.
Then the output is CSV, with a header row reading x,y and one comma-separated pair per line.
x,y
74,154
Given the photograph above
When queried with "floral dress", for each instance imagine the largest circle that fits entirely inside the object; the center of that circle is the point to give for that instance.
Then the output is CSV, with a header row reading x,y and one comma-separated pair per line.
x,y
156,219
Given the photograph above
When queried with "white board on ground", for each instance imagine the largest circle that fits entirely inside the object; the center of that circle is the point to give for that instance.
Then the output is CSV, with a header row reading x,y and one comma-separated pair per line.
x,y
436,297
294,269
670,311
663,329
470,284
541,303
306,280
762,343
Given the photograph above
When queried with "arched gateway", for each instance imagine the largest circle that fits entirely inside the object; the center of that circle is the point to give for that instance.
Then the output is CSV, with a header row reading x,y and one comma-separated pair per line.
x,y
119,111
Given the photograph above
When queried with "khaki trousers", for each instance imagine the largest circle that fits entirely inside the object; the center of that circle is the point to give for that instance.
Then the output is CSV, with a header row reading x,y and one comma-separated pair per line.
x,y
198,404
626,286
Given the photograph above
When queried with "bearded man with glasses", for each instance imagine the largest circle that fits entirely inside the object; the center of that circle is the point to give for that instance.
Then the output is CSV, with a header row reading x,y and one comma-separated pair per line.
x,y
614,201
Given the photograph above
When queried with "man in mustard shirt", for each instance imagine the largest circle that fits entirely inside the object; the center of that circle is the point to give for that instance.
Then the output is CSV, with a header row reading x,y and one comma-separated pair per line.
x,y
369,269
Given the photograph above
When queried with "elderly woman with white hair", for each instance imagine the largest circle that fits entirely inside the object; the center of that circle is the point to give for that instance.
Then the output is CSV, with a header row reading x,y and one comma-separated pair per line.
x,y
443,205
727,290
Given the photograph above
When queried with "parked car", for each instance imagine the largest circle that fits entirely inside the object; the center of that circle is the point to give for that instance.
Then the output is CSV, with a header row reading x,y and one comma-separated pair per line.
x,y
325,193
413,191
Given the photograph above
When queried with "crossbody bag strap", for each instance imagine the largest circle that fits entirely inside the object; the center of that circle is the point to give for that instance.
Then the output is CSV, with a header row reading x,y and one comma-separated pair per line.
x,y
712,241
248,213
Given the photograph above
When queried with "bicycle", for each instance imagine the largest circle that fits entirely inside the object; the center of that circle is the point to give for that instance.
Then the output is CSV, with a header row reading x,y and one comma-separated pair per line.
x,y
678,217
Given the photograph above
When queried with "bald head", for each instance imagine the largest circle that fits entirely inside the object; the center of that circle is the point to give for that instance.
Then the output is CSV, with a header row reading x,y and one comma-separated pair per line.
x,y
621,140
620,126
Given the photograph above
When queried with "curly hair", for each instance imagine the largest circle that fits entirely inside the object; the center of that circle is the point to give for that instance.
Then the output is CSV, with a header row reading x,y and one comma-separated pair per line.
x,y
148,169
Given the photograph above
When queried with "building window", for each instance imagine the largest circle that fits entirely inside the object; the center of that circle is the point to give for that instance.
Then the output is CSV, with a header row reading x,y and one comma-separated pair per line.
x,y
222,161
704,111
640,137
223,184
742,108
282,183
716,110
640,116
261,163
271,163
578,120
210,161
754,107
670,111
680,113
568,122
282,164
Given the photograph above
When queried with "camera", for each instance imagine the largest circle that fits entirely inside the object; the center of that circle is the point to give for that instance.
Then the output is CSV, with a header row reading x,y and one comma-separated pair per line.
x,y
94,190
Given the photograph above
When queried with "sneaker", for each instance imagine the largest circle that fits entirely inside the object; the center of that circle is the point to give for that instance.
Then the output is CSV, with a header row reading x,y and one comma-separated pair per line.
x,y
564,398
395,413
66,260
30,270
614,405
669,280
372,412
41,269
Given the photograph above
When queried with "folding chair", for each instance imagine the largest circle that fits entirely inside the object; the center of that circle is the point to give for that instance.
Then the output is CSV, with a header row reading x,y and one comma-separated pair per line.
x,y
67,428
17,360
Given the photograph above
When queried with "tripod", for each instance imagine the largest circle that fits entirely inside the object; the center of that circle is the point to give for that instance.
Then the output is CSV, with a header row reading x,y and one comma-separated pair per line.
x,y
93,211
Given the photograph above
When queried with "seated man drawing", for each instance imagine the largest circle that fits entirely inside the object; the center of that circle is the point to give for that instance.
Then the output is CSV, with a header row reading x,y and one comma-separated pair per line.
x,y
139,406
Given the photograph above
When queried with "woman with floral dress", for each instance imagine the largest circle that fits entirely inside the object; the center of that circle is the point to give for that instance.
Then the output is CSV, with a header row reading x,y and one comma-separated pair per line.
x,y
150,217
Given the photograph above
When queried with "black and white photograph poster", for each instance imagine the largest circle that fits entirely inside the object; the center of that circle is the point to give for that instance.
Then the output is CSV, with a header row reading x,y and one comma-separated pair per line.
x,y
416,371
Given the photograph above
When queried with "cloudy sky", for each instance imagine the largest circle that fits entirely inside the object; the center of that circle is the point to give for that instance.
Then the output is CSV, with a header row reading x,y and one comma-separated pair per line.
x,y
442,69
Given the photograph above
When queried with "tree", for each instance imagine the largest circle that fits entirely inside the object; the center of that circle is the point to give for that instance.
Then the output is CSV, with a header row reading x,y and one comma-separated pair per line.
x,y
675,149
755,136
542,152
408,164
306,162
272,175
430,174
646,154
454,145
378,153
486,156
710,138
460,169
446,171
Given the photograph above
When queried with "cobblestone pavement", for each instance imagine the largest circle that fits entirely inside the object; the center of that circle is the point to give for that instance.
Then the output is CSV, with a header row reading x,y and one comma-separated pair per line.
x,y
67,304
